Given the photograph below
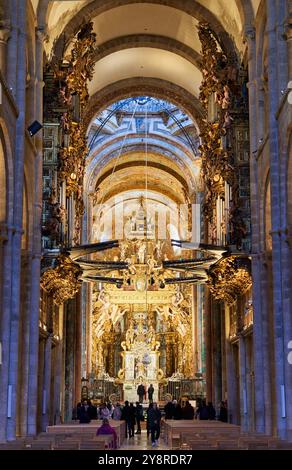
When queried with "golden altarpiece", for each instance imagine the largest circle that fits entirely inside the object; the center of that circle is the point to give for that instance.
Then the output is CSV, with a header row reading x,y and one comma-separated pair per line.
x,y
142,329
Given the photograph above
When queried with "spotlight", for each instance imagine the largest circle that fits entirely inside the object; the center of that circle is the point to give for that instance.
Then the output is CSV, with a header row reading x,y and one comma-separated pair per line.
x,y
34,128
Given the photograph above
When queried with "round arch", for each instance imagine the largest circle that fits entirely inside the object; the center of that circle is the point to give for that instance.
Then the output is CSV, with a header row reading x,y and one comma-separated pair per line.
x,y
137,86
191,7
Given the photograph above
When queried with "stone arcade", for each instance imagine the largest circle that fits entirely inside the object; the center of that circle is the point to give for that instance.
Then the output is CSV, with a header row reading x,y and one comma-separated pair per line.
x,y
145,231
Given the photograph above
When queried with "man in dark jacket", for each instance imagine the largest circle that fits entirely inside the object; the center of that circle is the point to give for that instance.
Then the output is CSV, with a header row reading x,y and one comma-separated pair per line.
x,y
126,416
168,410
84,413
139,416
140,392
188,411
154,418
150,393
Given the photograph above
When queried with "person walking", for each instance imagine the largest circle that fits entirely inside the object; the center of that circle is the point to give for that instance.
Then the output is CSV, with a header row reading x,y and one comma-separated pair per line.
x,y
154,418
126,416
132,419
139,416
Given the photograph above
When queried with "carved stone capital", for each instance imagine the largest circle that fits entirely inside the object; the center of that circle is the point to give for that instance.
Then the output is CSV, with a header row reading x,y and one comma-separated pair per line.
x,y
249,33
42,33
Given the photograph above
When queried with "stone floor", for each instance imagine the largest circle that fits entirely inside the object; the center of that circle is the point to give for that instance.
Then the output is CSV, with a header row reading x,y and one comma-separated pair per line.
x,y
141,442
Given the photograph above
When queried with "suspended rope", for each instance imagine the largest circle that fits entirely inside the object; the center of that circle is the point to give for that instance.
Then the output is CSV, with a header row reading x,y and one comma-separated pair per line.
x,y
118,156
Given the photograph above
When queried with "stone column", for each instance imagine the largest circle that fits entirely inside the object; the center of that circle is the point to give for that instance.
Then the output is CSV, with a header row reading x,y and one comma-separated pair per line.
x,y
77,349
69,338
46,395
243,385
231,379
36,260
23,397
279,379
58,398
255,217
282,68
5,298
208,343
18,202
216,354
12,65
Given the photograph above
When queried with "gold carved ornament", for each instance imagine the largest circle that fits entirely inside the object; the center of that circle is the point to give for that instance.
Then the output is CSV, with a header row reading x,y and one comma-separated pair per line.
x,y
73,153
219,80
62,282
227,281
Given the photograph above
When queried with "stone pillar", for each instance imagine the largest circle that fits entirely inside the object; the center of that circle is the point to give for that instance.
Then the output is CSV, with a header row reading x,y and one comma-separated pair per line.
x,y
255,217
77,349
41,363
46,395
23,397
12,65
88,327
18,202
5,298
4,36
282,49
232,385
208,343
216,353
58,398
35,276
69,338
243,385
279,379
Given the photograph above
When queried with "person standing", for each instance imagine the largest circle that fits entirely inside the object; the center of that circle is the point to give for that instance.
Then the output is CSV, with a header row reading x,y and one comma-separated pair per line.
x,y
84,413
140,392
117,413
132,420
223,415
168,410
139,416
150,393
154,418
188,411
127,418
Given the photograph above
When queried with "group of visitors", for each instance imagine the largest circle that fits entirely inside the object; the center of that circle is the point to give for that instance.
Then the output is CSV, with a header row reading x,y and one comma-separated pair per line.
x,y
141,392
85,411
133,415
178,410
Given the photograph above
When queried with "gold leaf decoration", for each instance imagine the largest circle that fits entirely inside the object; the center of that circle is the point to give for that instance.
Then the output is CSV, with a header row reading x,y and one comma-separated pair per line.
x,y
216,93
62,282
228,280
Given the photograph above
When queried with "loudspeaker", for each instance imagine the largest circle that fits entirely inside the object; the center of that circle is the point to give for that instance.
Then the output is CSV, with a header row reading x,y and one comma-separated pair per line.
x,y
34,128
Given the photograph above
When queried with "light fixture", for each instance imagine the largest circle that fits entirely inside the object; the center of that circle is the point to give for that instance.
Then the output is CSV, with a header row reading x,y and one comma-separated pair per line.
x,y
34,128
